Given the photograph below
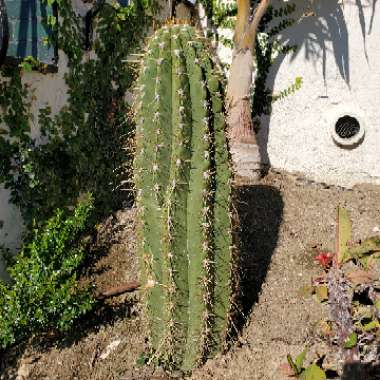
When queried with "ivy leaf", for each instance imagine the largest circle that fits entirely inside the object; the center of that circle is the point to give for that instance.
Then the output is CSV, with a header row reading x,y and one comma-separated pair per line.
x,y
344,235
300,359
351,341
371,325
52,21
292,365
377,304
313,372
365,247
26,66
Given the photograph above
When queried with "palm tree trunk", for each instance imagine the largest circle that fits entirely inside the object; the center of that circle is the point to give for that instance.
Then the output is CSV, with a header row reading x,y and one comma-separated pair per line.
x,y
243,143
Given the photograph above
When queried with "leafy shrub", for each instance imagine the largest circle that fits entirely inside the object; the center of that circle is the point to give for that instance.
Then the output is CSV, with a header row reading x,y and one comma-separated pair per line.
x,y
44,292
83,147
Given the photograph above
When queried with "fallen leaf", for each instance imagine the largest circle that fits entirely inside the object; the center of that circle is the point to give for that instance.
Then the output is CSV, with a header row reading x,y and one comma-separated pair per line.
x,y
306,291
371,325
359,276
322,293
362,312
325,328
313,372
300,359
351,341
365,247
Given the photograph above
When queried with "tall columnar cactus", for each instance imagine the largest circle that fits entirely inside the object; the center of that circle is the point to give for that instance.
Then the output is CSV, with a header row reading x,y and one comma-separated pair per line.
x,y
183,181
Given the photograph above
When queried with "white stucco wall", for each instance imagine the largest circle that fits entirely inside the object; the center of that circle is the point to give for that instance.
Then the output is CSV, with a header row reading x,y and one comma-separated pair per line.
x,y
337,57
44,89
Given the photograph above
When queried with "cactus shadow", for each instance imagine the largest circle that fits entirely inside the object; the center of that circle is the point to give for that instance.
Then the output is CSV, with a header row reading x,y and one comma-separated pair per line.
x,y
260,211
358,370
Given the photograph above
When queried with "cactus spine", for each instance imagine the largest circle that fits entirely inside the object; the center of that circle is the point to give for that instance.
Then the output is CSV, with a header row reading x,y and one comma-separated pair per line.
x,y
183,181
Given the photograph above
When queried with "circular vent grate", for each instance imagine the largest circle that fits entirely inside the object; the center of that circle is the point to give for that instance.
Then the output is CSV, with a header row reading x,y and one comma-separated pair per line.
x,y
347,127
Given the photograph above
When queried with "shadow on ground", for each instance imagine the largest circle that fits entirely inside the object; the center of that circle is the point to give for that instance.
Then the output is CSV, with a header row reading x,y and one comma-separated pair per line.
x,y
259,210
104,315
358,371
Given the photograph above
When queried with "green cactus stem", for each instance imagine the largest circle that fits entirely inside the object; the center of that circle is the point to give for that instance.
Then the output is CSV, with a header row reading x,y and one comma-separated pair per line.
x,y
183,181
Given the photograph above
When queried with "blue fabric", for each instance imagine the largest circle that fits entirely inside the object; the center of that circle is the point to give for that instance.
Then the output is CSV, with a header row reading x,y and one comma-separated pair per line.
x,y
28,30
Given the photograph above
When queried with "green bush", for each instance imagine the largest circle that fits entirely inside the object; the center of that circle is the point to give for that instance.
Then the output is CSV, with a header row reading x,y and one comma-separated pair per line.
x,y
84,146
44,292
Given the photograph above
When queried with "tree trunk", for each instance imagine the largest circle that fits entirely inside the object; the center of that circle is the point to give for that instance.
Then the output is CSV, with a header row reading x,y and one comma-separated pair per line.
x,y
183,12
243,142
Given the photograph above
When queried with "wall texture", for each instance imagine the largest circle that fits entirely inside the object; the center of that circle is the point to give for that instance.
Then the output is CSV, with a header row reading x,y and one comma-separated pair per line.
x,y
338,48
44,89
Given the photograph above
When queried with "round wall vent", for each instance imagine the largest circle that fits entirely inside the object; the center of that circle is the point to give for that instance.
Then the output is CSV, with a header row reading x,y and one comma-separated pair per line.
x,y
348,131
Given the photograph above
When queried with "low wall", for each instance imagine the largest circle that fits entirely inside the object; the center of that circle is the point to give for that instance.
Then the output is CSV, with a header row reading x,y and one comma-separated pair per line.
x,y
338,48
45,89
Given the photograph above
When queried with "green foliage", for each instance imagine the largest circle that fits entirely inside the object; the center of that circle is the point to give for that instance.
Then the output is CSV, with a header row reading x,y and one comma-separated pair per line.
x,y
220,13
351,289
276,20
268,48
44,292
297,364
364,249
351,341
288,91
85,146
344,235
311,372
183,179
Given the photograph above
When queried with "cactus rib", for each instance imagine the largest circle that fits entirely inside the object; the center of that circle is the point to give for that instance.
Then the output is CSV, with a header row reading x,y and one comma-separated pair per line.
x,y
183,178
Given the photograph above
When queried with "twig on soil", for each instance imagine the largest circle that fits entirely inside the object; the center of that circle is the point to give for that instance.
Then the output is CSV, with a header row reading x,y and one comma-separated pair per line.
x,y
118,290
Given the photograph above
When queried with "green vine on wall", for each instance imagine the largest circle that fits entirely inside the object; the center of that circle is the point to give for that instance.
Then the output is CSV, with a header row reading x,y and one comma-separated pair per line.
x,y
275,21
84,144
84,149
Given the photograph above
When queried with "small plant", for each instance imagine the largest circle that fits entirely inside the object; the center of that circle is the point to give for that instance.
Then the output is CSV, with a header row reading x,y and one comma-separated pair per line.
x,y
183,180
44,292
352,294
295,368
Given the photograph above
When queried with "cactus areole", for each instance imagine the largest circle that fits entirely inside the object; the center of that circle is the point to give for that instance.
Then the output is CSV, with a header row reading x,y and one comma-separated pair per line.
x,y
183,181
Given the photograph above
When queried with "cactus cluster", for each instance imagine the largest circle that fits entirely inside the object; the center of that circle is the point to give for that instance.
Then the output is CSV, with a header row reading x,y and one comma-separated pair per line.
x,y
183,181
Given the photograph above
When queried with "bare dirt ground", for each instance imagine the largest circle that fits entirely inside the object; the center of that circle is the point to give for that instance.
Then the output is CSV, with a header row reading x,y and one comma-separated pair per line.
x,y
285,218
